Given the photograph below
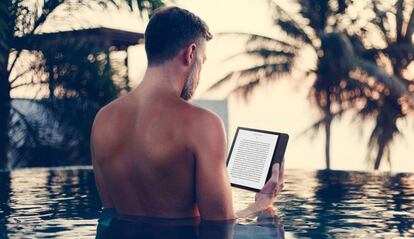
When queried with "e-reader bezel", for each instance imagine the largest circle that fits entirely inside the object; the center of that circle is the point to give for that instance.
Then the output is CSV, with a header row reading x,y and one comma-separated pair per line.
x,y
282,141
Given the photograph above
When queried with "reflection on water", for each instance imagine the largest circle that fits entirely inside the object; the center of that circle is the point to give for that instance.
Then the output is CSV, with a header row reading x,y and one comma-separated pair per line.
x,y
48,203
45,203
111,227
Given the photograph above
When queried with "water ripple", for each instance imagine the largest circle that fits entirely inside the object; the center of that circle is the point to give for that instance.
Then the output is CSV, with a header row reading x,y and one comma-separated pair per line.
x,y
60,203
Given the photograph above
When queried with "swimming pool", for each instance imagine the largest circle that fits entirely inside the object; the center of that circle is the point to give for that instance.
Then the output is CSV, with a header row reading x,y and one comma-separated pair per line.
x,y
63,203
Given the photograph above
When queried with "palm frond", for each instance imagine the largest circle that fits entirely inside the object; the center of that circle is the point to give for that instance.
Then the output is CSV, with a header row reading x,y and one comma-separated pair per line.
x,y
265,40
222,81
291,26
291,29
269,53
267,70
148,6
245,90
30,128
396,86
381,136
253,37
264,54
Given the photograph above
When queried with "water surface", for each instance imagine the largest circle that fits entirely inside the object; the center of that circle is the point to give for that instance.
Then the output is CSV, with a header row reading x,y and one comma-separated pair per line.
x,y
63,202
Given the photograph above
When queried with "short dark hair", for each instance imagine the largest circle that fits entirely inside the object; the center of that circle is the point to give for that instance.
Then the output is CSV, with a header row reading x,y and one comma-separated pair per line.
x,y
171,29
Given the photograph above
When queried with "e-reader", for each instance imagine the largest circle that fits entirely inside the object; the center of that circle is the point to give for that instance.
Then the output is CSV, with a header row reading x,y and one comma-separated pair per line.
x,y
252,155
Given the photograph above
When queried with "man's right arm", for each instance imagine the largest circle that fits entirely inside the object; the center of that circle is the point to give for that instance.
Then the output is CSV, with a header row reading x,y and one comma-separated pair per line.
x,y
213,189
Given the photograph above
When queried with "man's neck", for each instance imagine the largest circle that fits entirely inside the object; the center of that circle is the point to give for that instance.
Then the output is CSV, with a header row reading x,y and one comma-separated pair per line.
x,y
165,79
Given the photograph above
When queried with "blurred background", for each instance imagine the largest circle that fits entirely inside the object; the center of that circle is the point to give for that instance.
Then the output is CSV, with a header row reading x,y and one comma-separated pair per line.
x,y
337,75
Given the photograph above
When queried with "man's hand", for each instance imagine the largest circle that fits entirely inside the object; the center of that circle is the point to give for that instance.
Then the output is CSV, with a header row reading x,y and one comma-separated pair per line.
x,y
266,196
273,186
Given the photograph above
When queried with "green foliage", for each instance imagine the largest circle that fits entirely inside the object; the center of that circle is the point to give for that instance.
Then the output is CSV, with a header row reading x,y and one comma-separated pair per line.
x,y
54,130
80,71
149,6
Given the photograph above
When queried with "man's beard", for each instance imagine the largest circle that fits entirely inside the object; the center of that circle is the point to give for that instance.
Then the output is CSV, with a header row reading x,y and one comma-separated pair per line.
x,y
189,86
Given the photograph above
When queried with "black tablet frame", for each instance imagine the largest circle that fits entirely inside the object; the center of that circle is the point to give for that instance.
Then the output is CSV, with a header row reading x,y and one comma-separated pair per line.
x,y
277,156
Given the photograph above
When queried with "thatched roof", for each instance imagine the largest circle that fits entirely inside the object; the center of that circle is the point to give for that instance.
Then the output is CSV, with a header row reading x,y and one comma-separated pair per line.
x,y
105,37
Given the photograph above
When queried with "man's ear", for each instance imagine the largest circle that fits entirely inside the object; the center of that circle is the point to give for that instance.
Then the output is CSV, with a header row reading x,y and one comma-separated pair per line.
x,y
190,54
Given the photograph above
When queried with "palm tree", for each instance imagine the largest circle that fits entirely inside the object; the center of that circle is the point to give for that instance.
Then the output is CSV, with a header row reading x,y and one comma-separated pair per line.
x,y
55,130
21,20
340,71
394,51
307,29
15,20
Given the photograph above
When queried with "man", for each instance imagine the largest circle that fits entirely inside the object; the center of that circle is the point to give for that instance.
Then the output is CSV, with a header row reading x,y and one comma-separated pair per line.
x,y
154,154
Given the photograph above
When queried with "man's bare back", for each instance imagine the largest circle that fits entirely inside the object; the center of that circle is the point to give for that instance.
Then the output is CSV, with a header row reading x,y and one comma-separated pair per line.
x,y
146,160
153,153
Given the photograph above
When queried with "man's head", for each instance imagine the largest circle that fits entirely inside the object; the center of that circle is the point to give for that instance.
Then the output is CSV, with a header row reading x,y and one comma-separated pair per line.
x,y
177,34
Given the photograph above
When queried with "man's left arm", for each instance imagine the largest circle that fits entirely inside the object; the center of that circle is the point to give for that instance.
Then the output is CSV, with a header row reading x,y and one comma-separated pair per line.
x,y
95,142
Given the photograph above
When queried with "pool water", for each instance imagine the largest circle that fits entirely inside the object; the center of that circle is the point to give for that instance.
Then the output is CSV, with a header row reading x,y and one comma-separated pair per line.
x,y
63,203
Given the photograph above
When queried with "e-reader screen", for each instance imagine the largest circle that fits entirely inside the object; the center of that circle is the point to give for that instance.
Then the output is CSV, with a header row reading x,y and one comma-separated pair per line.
x,y
252,155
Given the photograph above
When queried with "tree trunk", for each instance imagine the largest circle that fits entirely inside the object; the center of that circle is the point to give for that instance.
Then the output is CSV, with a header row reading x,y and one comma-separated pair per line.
x,y
7,32
5,106
381,149
328,123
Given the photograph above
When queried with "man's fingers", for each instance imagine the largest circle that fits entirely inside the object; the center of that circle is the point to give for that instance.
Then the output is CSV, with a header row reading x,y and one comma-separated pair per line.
x,y
281,179
275,169
282,170
280,187
275,173
274,184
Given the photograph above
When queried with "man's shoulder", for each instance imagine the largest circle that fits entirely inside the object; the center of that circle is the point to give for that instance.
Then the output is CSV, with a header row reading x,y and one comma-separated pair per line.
x,y
105,115
103,127
206,127
203,117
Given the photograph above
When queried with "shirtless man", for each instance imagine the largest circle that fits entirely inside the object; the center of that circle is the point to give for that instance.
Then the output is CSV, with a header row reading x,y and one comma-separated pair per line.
x,y
153,153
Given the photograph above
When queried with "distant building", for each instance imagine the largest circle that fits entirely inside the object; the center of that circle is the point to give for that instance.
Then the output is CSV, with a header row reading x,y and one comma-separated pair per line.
x,y
218,106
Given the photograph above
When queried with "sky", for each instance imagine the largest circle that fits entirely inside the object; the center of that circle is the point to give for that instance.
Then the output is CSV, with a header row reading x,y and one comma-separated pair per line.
x,y
283,105
280,106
